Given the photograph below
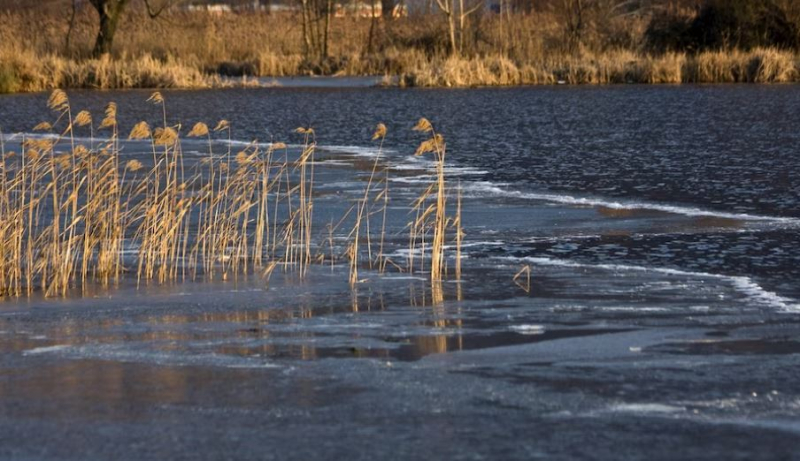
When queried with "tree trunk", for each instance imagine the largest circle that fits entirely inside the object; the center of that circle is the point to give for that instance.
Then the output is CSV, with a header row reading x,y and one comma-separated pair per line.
x,y
328,13
449,9
462,16
110,12
387,8
372,20
71,27
451,19
306,30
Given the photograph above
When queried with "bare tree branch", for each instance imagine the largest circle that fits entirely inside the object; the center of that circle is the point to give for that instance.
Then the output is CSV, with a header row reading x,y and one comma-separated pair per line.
x,y
167,4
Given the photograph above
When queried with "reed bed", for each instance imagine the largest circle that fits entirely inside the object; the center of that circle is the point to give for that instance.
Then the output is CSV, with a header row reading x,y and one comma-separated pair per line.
x,y
27,72
762,65
74,215
23,70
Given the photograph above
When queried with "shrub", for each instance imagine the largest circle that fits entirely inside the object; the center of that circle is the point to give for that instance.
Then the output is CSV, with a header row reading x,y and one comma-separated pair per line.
x,y
723,24
9,80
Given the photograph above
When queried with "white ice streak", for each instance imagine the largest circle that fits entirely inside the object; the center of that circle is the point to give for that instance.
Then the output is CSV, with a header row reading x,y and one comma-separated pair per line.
x,y
743,284
46,349
357,151
406,252
646,408
527,329
496,189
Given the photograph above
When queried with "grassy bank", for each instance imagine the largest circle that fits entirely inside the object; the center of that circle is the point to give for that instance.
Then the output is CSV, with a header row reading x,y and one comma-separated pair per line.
x,y
26,72
193,50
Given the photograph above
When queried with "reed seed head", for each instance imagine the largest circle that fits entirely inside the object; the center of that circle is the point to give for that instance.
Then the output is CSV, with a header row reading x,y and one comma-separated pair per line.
x,y
44,126
380,132
32,155
111,116
140,131
165,136
156,98
423,125
58,100
222,125
64,161
39,144
431,145
83,118
199,129
133,165
242,158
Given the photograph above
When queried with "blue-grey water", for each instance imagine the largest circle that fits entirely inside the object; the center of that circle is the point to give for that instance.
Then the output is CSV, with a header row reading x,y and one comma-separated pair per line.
x,y
661,321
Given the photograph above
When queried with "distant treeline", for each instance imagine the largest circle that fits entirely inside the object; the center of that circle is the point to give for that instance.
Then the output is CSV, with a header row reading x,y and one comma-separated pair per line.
x,y
418,42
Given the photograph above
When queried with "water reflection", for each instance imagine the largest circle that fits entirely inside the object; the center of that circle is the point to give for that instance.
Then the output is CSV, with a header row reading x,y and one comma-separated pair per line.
x,y
118,391
395,318
308,328
627,212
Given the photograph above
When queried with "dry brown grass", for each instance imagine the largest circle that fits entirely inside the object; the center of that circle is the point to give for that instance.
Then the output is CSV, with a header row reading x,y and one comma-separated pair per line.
x,y
757,66
26,71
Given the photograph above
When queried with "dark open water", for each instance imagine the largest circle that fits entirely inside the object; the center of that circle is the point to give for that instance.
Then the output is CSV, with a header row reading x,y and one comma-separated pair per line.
x,y
661,225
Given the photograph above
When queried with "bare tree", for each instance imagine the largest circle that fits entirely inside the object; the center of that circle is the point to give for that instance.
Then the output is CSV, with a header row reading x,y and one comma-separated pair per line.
x,y
110,12
456,13
316,18
574,17
71,25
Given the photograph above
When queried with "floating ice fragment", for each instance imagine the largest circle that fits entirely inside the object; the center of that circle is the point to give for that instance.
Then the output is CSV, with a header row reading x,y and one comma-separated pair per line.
x,y
527,329
646,408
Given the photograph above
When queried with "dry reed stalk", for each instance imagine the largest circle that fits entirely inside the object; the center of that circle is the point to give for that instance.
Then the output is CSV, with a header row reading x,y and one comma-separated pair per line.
x,y
352,250
459,232
525,271
382,260
306,189
436,145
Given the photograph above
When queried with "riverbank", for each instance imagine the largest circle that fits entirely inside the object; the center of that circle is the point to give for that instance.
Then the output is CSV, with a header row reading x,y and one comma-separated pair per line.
x,y
27,72
41,50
